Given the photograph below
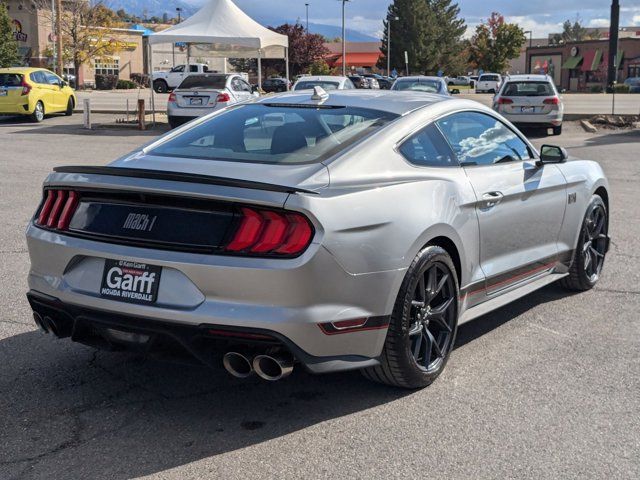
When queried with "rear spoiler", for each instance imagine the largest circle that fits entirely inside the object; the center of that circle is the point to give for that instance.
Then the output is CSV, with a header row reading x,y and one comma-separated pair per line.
x,y
180,177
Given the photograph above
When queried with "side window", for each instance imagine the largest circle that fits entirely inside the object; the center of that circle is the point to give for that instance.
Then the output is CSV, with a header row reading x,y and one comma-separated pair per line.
x,y
244,86
52,79
193,68
39,77
428,148
480,139
178,69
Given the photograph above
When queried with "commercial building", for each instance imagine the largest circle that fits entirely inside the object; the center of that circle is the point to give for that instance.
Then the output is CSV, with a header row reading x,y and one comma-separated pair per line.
x,y
35,36
582,66
361,56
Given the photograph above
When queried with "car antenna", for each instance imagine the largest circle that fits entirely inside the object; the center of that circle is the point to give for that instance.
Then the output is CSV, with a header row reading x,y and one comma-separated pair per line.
x,y
320,94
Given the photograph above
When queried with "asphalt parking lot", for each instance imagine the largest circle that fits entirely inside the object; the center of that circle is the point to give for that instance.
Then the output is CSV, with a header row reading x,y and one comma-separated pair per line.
x,y
547,387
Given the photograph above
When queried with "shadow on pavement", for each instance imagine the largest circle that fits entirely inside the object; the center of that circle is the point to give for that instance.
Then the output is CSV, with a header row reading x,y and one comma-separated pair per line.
x,y
53,126
68,408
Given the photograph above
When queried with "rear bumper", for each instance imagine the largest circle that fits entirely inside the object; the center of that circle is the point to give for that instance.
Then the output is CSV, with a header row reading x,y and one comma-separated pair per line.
x,y
189,113
157,338
16,109
552,119
293,298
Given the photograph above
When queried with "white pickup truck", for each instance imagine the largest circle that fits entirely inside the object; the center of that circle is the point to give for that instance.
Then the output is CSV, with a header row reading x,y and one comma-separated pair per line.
x,y
165,81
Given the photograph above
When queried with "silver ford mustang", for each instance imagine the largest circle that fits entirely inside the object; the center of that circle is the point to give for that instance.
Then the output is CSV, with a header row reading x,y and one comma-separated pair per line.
x,y
354,230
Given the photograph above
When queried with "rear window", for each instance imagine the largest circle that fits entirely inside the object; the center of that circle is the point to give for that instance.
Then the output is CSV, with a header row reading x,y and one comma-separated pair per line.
x,y
275,134
429,86
10,80
310,84
528,89
489,78
193,82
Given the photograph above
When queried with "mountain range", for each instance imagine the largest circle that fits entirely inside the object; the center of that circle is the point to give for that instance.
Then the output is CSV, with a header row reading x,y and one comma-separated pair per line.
x,y
150,8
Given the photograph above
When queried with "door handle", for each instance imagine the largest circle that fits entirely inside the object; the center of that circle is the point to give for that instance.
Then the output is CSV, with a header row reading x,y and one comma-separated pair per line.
x,y
491,199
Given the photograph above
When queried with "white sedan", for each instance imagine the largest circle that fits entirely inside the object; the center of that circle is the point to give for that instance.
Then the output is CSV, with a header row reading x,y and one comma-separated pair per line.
x,y
201,94
327,82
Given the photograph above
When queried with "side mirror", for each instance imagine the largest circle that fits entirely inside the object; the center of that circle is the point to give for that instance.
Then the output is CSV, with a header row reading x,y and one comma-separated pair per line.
x,y
552,154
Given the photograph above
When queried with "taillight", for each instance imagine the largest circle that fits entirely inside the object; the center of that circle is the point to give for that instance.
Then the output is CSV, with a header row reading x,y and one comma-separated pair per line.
x,y
504,101
551,101
58,209
26,88
271,233
223,97
172,97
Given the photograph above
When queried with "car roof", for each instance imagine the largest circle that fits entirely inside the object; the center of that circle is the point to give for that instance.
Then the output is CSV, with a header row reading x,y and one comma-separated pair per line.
x,y
317,78
419,77
536,78
399,103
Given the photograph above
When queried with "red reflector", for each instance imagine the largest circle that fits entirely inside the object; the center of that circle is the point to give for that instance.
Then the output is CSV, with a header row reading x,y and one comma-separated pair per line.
x,y
551,101
61,197
223,97
504,101
345,324
46,208
298,236
68,211
273,234
248,232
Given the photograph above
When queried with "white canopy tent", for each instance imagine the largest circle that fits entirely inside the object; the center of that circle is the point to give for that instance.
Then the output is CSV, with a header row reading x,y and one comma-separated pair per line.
x,y
224,31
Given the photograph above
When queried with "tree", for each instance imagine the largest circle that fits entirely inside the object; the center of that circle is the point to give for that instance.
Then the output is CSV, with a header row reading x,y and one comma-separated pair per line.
x,y
304,48
320,67
573,32
495,43
430,31
9,55
86,31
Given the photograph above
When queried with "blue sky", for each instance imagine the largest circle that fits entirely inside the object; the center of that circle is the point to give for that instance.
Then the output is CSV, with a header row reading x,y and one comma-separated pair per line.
x,y
543,16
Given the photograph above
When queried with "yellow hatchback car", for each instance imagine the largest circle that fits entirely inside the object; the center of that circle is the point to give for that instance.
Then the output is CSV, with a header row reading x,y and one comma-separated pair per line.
x,y
35,92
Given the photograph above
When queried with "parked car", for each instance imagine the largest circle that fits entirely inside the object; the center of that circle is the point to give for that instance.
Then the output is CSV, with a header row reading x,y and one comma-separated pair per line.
x,y
421,84
489,83
459,81
383,82
327,82
34,92
373,83
531,100
276,85
634,84
164,82
358,235
359,81
202,94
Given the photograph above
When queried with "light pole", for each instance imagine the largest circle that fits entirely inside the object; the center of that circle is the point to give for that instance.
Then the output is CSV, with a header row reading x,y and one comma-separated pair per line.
x,y
307,7
344,45
173,45
530,32
389,20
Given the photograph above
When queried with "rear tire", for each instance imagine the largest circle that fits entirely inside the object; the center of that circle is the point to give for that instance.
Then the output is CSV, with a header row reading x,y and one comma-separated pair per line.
x,y
589,255
38,113
423,324
70,106
557,130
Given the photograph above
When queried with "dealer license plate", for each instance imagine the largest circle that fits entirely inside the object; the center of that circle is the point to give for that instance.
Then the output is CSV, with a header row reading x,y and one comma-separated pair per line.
x,y
131,282
196,101
528,109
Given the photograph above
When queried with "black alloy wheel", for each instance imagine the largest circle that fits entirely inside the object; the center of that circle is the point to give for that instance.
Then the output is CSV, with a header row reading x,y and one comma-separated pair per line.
x,y
433,317
423,325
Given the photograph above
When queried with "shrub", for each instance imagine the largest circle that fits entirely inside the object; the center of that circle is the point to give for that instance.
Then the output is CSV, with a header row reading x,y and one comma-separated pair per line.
x,y
106,82
596,89
141,79
622,88
126,85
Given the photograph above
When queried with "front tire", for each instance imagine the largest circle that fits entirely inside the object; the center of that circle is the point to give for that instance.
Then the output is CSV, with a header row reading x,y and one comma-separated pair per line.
x,y
557,130
423,325
160,86
589,256
38,113
70,104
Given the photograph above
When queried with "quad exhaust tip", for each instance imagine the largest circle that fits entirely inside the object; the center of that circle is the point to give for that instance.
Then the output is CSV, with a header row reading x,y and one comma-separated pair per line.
x,y
237,364
273,367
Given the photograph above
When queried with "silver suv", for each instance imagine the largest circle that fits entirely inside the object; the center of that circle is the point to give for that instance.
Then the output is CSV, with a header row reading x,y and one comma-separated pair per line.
x,y
531,100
